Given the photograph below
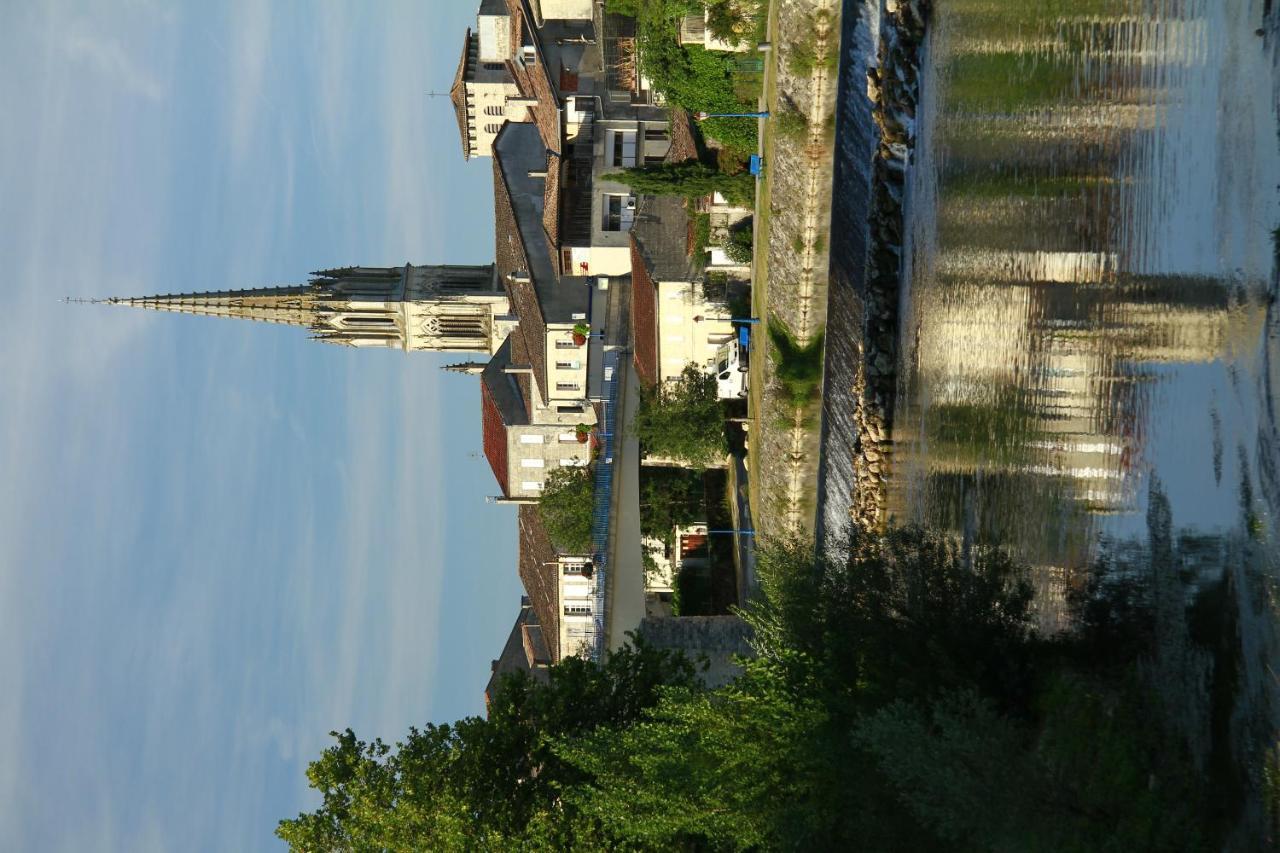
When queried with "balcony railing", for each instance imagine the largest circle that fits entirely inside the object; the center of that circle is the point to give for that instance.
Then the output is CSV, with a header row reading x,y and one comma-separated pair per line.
x,y
604,501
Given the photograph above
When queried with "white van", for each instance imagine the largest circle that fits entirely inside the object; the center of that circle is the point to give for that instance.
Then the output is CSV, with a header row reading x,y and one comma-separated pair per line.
x,y
731,371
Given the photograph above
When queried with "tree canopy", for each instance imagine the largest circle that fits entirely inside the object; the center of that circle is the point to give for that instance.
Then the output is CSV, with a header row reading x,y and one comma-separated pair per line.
x,y
900,699
482,783
689,179
683,419
566,507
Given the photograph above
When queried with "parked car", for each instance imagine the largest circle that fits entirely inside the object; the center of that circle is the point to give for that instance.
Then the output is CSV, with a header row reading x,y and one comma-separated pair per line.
x,y
731,365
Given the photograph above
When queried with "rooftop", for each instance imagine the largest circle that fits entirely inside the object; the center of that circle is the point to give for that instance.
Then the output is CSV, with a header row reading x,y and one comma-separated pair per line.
x,y
525,650
540,572
538,295
661,238
458,93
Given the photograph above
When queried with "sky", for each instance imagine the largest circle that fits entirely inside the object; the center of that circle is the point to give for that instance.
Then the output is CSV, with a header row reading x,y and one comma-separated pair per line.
x,y
220,540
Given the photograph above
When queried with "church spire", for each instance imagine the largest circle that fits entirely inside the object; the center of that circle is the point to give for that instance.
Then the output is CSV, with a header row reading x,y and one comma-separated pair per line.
x,y
293,305
433,308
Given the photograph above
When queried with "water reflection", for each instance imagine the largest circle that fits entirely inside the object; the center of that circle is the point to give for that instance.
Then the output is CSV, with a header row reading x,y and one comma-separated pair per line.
x,y
1090,350
1091,269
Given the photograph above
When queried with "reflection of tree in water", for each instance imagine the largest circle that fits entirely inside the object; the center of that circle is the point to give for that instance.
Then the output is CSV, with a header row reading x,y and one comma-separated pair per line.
x,y
1190,609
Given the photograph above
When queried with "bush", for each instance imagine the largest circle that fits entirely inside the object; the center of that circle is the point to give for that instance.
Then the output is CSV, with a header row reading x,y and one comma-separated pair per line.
x,y
799,369
741,243
803,56
790,123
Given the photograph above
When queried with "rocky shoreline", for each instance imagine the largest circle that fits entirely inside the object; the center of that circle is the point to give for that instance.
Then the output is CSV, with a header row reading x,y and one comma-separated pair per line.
x,y
893,89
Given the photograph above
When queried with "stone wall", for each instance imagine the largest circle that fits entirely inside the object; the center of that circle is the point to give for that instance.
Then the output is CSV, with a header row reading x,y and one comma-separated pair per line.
x,y
717,639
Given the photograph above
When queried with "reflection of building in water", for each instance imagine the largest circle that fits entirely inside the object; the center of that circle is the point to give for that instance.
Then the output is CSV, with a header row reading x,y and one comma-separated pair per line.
x,y
1041,365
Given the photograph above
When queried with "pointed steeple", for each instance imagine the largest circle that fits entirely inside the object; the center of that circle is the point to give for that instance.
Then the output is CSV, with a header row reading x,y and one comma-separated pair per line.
x,y
293,305
433,308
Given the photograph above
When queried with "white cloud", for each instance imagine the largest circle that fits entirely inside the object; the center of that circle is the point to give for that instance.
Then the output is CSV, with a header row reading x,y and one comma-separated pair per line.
x,y
247,55
108,57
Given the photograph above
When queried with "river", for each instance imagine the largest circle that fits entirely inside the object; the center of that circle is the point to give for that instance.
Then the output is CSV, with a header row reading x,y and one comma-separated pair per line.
x,y
1089,347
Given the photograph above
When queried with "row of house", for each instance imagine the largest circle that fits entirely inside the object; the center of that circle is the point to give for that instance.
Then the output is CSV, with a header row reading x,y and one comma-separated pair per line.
x,y
551,91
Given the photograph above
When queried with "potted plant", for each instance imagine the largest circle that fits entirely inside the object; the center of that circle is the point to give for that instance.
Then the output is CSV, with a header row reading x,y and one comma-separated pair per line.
x,y
583,432
580,332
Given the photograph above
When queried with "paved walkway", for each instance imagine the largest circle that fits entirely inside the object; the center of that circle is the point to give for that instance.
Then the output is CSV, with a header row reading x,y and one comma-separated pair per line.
x,y
626,573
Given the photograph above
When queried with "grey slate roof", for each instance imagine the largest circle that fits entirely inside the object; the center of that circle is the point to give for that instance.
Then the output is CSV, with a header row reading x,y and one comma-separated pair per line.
x,y
661,234
525,639
519,151
504,388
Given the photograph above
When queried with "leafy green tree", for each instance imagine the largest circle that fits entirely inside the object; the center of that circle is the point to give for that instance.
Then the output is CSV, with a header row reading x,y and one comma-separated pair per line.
x,y
689,179
566,507
482,783
1094,775
722,771
670,497
902,615
683,419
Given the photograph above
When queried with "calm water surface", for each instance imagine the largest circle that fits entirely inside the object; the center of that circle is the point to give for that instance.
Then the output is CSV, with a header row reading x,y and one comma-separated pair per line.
x,y
1090,351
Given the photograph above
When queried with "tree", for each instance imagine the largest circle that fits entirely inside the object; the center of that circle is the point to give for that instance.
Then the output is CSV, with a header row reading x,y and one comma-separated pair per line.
x,y
704,771
566,507
683,419
689,179
670,497
903,615
482,783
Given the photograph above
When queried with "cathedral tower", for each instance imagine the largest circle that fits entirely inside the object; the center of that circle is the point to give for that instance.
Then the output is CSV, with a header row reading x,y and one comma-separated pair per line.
x,y
431,308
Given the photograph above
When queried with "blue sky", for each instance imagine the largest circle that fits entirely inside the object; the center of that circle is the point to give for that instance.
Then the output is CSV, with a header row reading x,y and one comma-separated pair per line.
x,y
219,540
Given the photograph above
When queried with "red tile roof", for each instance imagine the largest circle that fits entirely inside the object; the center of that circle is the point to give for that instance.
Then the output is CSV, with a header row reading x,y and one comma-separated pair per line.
x,y
458,94
644,318
494,433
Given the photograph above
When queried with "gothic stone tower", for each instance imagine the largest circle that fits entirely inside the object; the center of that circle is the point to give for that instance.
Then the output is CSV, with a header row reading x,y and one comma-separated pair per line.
x,y
433,308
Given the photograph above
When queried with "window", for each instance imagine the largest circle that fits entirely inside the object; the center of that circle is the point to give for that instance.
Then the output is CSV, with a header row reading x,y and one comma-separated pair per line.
x,y
620,147
560,344
531,463
530,439
568,365
573,462
566,386
576,569
655,134
494,66
494,111
568,438
577,610
492,128
368,321
619,212
569,410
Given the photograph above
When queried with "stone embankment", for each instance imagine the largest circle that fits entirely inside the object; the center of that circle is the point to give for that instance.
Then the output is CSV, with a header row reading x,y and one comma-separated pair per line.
x,y
893,89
